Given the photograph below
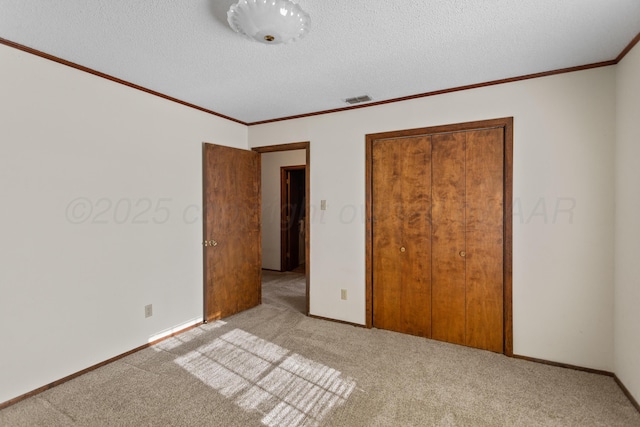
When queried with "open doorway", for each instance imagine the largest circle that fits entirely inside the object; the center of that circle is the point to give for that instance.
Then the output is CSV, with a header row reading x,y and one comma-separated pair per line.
x,y
285,222
292,218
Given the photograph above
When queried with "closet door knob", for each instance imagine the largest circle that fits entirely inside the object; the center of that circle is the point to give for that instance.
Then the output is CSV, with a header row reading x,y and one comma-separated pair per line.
x,y
402,249
463,254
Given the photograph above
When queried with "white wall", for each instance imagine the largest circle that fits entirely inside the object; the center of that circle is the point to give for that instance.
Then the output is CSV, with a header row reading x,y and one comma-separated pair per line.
x,y
564,132
271,164
627,231
73,280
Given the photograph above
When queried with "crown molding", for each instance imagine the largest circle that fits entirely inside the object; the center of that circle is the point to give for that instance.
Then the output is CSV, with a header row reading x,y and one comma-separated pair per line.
x,y
112,78
41,54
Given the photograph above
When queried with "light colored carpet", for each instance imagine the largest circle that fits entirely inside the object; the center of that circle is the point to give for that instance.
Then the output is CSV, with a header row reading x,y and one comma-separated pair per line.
x,y
273,366
285,290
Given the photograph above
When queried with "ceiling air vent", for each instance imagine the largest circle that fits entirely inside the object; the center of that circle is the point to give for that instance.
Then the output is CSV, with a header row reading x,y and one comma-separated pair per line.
x,y
358,99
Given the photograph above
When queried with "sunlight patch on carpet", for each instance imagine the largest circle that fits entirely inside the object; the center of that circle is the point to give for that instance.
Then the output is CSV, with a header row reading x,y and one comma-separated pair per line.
x,y
287,388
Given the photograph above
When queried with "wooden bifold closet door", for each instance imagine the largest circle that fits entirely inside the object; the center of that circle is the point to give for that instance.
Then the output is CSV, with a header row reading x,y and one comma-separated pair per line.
x,y
437,236
402,238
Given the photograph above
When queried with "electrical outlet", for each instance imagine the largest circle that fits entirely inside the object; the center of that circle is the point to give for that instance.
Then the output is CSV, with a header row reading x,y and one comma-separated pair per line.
x,y
343,293
148,310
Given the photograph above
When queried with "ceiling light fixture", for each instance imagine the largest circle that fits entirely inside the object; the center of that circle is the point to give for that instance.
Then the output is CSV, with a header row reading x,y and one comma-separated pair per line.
x,y
269,21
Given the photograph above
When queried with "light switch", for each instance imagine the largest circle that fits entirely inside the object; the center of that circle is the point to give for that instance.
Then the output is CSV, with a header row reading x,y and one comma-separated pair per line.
x,y
323,205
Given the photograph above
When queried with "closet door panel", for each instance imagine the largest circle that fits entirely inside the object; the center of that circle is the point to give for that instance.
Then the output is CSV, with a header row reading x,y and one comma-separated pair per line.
x,y
484,239
448,237
401,247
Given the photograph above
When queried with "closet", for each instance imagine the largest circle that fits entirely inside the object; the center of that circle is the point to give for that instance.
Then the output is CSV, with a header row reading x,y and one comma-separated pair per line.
x,y
436,233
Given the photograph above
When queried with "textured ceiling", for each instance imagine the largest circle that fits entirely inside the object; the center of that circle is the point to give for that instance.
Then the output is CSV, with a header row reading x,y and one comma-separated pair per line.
x,y
386,49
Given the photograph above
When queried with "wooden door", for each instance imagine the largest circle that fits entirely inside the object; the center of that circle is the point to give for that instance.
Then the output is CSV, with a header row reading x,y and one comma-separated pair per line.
x,y
445,193
484,238
467,238
232,251
448,273
401,236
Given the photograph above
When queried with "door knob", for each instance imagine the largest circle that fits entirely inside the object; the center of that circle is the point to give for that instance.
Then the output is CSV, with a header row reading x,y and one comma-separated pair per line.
x,y
402,249
463,254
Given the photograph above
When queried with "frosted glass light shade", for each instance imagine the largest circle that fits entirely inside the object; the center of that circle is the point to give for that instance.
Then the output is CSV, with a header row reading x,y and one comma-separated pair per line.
x,y
269,21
